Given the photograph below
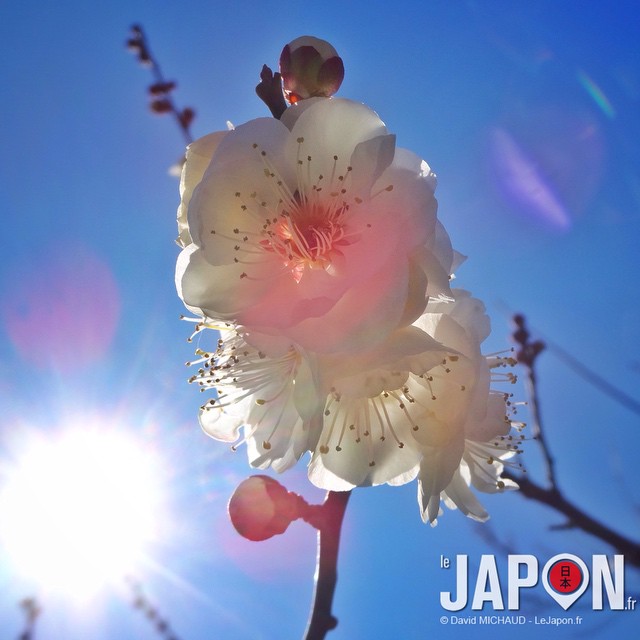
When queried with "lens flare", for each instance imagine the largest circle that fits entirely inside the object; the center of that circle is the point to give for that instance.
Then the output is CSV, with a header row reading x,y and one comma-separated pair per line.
x,y
596,94
62,309
522,182
546,163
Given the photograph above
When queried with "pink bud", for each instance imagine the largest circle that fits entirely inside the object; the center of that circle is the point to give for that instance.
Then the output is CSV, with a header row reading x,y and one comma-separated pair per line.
x,y
261,508
310,67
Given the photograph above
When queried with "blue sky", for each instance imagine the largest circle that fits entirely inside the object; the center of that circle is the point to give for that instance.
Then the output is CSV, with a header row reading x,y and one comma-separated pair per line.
x,y
527,111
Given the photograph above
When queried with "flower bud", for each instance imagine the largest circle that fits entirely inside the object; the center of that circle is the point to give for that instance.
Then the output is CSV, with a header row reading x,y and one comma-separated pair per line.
x,y
161,88
187,116
261,508
310,67
160,106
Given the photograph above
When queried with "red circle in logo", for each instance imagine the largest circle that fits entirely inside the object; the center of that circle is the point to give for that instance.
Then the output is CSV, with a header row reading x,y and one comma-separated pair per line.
x,y
565,576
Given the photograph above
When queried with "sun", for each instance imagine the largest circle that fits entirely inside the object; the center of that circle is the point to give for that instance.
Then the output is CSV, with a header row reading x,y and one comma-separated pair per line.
x,y
80,509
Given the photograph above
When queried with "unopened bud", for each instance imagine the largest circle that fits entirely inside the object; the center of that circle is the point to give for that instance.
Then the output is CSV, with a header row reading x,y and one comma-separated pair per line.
x,y
160,88
134,44
143,57
310,67
187,116
160,106
261,508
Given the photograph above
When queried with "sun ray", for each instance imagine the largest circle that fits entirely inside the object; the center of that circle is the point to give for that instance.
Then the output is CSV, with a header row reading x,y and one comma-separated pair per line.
x,y
79,509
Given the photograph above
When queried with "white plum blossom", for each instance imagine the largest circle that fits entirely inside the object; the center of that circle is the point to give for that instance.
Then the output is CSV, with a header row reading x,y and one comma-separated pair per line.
x,y
275,398
197,160
311,243
323,234
470,441
418,405
421,406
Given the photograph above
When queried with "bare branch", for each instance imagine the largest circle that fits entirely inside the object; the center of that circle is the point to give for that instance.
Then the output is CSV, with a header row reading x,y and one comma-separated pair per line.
x,y
160,91
527,356
576,517
594,379
261,508
321,619
551,495
151,612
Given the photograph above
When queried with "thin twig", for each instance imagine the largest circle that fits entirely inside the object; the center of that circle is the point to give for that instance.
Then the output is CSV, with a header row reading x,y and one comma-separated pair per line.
x,y
161,89
527,355
552,496
151,612
321,619
598,382
593,378
577,518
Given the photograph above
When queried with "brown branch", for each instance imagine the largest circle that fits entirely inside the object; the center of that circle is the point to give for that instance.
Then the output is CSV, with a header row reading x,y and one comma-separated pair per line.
x,y
552,496
576,517
527,356
597,381
255,522
160,90
329,524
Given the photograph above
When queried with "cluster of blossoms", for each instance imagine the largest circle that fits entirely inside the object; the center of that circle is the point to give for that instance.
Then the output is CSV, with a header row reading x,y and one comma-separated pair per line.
x,y
311,243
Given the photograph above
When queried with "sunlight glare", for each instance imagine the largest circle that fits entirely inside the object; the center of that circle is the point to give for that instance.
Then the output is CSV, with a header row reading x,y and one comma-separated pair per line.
x,y
78,510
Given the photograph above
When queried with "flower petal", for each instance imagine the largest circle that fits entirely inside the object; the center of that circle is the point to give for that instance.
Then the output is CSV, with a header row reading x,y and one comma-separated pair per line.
x,y
457,494
219,292
437,468
332,127
351,467
369,160
220,425
198,157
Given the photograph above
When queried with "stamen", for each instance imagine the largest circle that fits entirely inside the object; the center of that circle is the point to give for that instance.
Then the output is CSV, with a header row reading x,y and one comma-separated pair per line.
x,y
377,193
386,415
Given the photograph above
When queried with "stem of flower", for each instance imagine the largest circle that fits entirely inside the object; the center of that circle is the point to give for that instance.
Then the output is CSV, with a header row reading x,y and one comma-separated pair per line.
x,y
329,525
269,90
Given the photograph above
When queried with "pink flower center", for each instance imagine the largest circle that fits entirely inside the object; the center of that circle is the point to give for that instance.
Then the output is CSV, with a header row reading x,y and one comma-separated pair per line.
x,y
310,235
